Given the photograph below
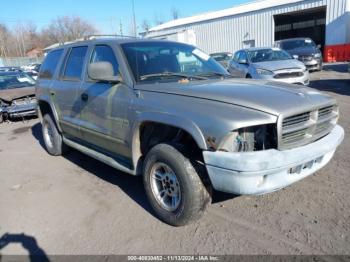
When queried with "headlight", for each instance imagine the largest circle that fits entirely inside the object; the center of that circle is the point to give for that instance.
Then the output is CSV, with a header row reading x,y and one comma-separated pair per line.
x,y
317,55
264,72
250,139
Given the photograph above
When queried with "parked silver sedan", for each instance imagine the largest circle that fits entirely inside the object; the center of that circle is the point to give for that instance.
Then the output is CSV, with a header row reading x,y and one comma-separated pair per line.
x,y
270,64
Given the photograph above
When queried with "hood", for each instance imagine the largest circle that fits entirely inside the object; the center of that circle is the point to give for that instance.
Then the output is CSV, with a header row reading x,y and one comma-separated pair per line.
x,y
271,97
15,93
307,50
279,65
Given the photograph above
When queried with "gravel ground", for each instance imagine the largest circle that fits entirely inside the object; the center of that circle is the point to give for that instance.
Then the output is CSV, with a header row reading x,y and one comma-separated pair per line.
x,y
77,205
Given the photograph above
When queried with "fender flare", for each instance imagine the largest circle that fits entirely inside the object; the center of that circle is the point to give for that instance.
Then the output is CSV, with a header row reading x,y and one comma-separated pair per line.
x,y
46,99
166,119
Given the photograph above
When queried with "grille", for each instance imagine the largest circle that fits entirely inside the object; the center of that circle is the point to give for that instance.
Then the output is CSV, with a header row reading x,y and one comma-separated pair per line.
x,y
306,58
296,120
294,136
325,112
288,75
307,127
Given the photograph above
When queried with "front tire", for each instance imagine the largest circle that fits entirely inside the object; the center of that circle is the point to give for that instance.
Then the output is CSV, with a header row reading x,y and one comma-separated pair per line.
x,y
173,187
52,137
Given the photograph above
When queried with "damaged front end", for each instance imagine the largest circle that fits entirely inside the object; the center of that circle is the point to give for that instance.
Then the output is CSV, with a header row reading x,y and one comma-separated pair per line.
x,y
18,108
255,138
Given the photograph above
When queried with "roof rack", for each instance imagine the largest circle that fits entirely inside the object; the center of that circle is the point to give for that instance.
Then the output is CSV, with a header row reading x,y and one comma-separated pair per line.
x,y
91,37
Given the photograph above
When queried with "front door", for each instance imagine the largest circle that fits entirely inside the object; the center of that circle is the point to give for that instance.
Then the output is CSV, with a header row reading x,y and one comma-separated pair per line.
x,y
104,122
234,66
243,65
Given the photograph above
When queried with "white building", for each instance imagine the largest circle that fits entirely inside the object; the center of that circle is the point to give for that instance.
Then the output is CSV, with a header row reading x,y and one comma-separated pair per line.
x,y
261,23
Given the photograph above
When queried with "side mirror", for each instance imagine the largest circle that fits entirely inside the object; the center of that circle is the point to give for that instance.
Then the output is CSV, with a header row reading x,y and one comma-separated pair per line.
x,y
103,71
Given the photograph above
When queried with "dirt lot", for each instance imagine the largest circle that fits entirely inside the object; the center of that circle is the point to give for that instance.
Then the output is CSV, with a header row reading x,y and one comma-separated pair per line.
x,y
77,205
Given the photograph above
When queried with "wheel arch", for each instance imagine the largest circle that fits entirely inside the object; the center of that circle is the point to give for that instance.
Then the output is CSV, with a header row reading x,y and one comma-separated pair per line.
x,y
46,107
163,119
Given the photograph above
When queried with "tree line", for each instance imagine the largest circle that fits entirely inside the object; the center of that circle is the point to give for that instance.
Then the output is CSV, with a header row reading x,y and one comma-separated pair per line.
x,y
17,41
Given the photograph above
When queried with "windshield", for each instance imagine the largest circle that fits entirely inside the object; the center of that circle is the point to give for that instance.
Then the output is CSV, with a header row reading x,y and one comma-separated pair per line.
x,y
10,81
293,44
158,59
266,55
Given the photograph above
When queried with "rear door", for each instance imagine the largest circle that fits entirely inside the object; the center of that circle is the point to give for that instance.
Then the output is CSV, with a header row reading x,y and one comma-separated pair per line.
x,y
48,73
65,91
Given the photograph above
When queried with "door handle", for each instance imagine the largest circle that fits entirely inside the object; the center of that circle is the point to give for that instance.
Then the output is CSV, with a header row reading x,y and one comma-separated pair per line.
x,y
84,97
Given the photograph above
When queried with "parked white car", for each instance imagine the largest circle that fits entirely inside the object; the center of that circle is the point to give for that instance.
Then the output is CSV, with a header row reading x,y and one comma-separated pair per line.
x,y
269,64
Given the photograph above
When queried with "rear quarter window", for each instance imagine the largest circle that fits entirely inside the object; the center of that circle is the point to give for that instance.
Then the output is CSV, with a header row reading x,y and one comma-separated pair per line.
x,y
49,66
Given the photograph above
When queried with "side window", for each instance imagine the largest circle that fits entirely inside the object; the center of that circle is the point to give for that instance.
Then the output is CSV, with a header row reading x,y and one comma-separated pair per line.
x,y
49,66
104,53
75,63
236,56
243,56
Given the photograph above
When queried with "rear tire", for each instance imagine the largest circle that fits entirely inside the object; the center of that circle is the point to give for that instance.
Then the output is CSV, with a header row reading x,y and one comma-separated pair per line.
x,y
173,187
52,137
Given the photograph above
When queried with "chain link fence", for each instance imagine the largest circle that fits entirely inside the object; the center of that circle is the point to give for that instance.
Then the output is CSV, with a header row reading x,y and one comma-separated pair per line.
x,y
19,61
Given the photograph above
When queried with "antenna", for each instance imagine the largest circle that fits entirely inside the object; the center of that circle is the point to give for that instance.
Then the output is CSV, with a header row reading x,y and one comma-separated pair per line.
x,y
134,17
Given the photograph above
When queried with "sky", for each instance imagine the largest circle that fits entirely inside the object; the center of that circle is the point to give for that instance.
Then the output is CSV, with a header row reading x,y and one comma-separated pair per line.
x,y
106,15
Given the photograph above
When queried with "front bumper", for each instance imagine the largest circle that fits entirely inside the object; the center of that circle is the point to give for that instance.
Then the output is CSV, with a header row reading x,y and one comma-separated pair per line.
x,y
301,80
254,173
24,110
313,64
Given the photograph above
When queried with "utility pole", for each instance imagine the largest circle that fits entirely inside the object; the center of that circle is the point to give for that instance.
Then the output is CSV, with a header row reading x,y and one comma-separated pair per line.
x,y
134,17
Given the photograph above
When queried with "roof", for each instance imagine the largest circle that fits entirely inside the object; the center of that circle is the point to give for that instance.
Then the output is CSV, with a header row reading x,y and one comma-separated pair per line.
x,y
258,48
89,38
48,48
107,41
239,9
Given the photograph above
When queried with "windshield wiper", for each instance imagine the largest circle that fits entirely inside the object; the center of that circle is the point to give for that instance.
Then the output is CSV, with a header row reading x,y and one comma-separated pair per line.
x,y
172,74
